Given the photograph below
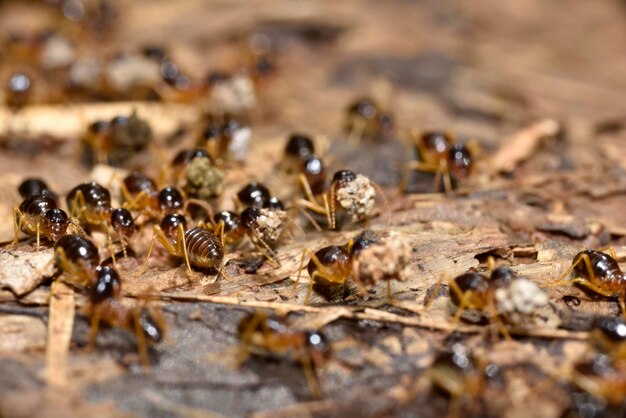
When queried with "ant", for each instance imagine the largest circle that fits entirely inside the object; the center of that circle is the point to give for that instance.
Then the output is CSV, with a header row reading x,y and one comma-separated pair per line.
x,y
225,140
264,227
365,119
461,375
39,216
106,306
299,147
91,203
198,246
600,273
78,257
608,336
502,296
34,186
115,141
436,153
140,193
353,193
19,90
330,267
262,334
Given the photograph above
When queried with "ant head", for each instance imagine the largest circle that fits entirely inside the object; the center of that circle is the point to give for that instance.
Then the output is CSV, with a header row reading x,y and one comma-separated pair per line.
x,y
318,346
230,219
98,127
365,108
473,282
299,146
343,177
274,203
254,194
122,222
171,223
31,187
170,199
436,141
458,357
332,255
249,217
363,241
502,276
151,326
460,160
386,123
136,182
108,284
55,222
185,156
216,77
611,328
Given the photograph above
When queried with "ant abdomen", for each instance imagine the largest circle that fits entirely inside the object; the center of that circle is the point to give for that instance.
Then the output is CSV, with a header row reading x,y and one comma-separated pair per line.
x,y
204,249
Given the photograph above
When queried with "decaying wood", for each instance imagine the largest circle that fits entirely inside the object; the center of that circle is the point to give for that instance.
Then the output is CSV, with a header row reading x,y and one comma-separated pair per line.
x,y
542,193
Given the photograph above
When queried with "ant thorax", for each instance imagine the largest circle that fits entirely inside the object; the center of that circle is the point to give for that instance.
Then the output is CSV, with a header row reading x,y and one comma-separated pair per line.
x,y
357,197
522,302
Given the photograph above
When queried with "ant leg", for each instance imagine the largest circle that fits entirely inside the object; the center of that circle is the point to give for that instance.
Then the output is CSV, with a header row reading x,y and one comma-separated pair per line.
x,y
204,205
246,337
571,268
592,286
433,294
266,250
310,218
306,188
142,345
311,377
611,251
112,251
493,313
445,173
295,284
330,207
389,298
356,133
18,220
158,235
183,246
38,235
219,231
95,325
462,297
78,205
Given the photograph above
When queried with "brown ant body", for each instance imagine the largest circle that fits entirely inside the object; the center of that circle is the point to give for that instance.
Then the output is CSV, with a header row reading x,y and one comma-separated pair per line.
x,y
299,147
330,267
604,374
198,246
503,297
353,193
91,204
461,375
263,225
106,307
140,192
39,216
437,153
78,257
600,273
34,186
366,119
267,335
